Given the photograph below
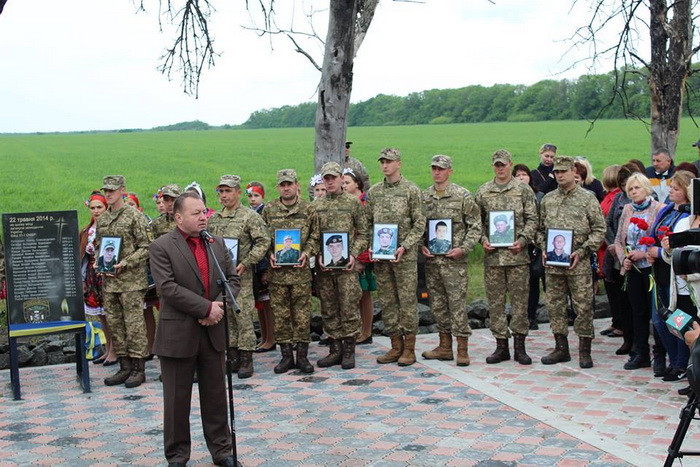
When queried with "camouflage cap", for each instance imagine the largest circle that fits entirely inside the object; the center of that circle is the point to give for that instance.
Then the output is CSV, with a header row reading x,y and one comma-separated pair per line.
x,y
232,181
110,244
501,156
500,218
334,239
113,182
390,154
385,231
286,175
331,168
563,163
171,190
442,161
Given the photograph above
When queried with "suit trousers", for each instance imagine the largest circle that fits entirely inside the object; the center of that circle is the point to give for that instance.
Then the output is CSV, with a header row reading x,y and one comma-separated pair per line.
x,y
177,376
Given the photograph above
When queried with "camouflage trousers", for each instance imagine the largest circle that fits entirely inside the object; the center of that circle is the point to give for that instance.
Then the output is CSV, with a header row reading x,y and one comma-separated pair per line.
x,y
124,312
339,293
291,308
447,287
396,289
515,280
240,325
581,288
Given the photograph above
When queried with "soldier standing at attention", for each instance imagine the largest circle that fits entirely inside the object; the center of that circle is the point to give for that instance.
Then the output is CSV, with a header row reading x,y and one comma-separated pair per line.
x,y
339,289
290,286
571,207
165,222
507,269
357,167
446,275
395,200
124,291
241,222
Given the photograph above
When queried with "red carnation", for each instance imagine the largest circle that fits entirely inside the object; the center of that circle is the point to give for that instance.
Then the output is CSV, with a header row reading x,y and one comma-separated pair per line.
x,y
663,231
648,241
640,223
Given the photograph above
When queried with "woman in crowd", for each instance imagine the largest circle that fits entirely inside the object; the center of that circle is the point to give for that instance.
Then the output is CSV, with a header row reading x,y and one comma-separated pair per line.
x,y
589,182
316,187
255,191
630,245
522,172
132,200
354,185
92,282
194,186
666,222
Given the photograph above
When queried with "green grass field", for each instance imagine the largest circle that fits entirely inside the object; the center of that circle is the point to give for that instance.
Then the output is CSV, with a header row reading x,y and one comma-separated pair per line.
x,y
58,171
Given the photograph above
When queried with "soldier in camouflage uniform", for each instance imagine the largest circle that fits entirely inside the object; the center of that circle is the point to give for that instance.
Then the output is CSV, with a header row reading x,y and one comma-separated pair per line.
x,y
339,289
241,222
2,266
395,200
124,291
446,275
165,222
507,269
357,167
290,286
571,207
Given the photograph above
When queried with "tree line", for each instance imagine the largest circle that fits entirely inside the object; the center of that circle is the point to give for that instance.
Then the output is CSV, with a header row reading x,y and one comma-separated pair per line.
x,y
585,98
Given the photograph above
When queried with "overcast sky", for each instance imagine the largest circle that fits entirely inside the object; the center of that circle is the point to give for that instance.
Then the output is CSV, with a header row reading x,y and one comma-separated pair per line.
x,y
91,65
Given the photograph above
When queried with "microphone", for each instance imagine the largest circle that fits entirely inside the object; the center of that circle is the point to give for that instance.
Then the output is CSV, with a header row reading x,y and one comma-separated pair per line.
x,y
678,322
206,236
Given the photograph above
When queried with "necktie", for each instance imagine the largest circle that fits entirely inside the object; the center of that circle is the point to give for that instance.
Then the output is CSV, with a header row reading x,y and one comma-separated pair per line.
x,y
200,255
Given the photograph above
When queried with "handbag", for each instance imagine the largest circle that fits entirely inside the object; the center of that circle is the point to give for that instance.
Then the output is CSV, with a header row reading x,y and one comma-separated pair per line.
x,y
536,266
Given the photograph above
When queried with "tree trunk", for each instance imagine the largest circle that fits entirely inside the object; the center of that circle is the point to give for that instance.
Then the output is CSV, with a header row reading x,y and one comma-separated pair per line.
x,y
336,84
669,68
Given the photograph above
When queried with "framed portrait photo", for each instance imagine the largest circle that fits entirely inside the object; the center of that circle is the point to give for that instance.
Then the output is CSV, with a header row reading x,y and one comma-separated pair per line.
x,y
287,247
336,252
108,256
501,228
384,241
232,247
559,243
439,236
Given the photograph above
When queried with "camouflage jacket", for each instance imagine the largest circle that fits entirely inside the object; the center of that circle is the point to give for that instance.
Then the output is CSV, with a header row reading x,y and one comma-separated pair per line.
x,y
339,213
398,203
2,263
161,225
129,224
458,204
515,196
278,216
578,210
358,169
248,227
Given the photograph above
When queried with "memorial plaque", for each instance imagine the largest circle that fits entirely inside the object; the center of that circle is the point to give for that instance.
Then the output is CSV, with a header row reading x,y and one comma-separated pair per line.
x,y
44,283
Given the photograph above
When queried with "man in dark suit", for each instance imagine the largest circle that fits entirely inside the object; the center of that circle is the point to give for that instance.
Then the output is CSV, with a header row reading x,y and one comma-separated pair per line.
x,y
191,334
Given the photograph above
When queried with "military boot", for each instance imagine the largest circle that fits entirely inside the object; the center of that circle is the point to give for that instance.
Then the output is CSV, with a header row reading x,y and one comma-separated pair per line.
x,y
246,368
584,352
348,360
287,361
395,352
122,375
560,352
519,353
463,351
443,351
501,354
335,354
138,373
234,360
408,356
302,358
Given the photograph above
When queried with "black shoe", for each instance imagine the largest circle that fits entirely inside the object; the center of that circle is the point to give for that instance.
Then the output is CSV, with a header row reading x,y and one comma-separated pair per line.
x,y
100,360
533,325
607,331
674,374
325,341
228,462
637,362
686,391
263,349
659,366
177,464
624,349
364,341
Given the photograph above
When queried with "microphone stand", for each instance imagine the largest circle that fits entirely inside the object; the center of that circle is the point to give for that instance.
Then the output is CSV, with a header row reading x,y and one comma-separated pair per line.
x,y
226,291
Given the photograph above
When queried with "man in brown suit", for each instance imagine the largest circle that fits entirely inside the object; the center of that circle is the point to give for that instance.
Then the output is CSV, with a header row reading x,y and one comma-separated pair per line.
x,y
191,334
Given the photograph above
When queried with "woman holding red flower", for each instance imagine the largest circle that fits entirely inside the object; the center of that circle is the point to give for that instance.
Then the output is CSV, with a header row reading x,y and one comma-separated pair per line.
x,y
631,244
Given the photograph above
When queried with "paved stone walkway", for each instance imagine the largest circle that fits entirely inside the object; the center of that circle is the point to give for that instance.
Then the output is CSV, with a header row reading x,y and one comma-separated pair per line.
x,y
432,413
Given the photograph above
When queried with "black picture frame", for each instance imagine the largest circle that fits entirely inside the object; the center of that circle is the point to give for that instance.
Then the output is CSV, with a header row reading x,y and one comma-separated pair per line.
x,y
439,236
499,238
105,265
287,255
329,245
380,249
553,258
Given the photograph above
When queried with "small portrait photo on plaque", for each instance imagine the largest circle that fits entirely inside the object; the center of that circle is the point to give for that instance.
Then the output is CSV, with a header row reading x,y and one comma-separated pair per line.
x,y
501,228
335,250
232,247
384,240
109,255
439,236
287,247
559,247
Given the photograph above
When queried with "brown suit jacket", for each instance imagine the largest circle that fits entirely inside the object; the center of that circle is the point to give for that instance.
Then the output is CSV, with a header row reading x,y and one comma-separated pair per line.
x,y
182,295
